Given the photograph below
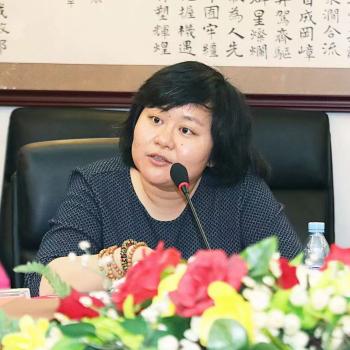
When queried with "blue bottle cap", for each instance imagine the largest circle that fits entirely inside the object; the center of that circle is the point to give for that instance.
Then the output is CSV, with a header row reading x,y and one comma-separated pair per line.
x,y
314,227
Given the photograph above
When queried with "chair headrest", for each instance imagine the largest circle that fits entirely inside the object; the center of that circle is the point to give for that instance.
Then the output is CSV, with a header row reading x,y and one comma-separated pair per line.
x,y
296,144
35,124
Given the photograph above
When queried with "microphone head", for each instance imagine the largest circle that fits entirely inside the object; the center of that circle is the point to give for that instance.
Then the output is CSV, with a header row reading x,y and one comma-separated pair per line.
x,y
179,175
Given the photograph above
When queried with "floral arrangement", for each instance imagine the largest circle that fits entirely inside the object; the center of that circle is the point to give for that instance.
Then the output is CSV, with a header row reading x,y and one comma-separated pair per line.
x,y
256,300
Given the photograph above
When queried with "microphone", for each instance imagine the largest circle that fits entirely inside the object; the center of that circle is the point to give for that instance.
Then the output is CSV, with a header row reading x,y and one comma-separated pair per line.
x,y
179,175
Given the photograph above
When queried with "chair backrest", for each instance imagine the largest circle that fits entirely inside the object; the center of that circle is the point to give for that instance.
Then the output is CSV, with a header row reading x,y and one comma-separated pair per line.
x,y
43,169
297,145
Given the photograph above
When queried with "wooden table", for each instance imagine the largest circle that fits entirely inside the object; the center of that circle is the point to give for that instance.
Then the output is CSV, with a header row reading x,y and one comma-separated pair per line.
x,y
35,307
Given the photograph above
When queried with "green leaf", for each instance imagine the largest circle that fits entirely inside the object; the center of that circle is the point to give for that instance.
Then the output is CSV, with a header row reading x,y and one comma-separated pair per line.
x,y
263,346
166,272
108,346
176,325
7,325
129,340
151,339
78,330
259,255
105,328
280,300
69,343
308,316
276,341
136,325
227,334
61,288
298,260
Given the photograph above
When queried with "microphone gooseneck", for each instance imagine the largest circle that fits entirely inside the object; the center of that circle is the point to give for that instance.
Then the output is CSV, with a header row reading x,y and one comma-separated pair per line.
x,y
179,175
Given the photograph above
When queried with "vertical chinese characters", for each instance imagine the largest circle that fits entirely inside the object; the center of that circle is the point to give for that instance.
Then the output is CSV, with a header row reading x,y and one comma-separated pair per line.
x,y
4,31
307,31
331,33
258,32
211,28
187,31
161,31
283,38
236,34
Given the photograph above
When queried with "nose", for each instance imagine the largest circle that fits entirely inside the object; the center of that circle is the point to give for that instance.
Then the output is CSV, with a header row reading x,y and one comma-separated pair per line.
x,y
165,137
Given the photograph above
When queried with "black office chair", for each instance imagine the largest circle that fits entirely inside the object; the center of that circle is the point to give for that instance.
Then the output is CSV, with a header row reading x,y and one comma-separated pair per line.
x,y
297,145
34,124
39,184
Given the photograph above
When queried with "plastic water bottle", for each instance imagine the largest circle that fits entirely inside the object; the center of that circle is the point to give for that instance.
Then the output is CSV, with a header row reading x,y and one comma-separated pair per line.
x,y
317,247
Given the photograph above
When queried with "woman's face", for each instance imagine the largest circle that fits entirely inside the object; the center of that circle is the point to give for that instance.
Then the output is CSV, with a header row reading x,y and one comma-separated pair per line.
x,y
179,135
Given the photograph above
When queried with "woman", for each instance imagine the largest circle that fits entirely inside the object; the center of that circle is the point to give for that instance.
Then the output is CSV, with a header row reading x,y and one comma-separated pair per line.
x,y
186,113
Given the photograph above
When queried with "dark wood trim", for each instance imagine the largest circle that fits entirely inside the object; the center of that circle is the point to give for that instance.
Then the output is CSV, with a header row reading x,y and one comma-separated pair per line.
x,y
41,98
123,100
304,102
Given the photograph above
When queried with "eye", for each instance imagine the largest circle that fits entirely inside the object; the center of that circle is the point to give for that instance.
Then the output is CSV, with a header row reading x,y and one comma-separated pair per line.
x,y
156,120
187,131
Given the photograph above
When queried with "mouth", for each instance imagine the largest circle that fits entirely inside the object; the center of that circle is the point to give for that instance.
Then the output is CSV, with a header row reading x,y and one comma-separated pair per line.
x,y
159,159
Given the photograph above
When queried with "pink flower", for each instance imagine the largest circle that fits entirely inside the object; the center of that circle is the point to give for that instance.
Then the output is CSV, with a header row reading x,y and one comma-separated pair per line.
x,y
142,280
237,269
72,307
288,278
4,280
338,254
191,298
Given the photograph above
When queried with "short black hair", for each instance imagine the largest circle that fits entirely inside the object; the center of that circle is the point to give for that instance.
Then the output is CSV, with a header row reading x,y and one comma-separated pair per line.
x,y
195,83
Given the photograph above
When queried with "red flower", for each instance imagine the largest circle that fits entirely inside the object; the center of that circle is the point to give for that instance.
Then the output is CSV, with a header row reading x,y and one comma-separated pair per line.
x,y
288,277
74,309
191,298
142,280
339,254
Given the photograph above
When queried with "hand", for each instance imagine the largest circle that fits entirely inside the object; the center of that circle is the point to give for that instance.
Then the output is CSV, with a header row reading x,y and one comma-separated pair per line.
x,y
140,253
